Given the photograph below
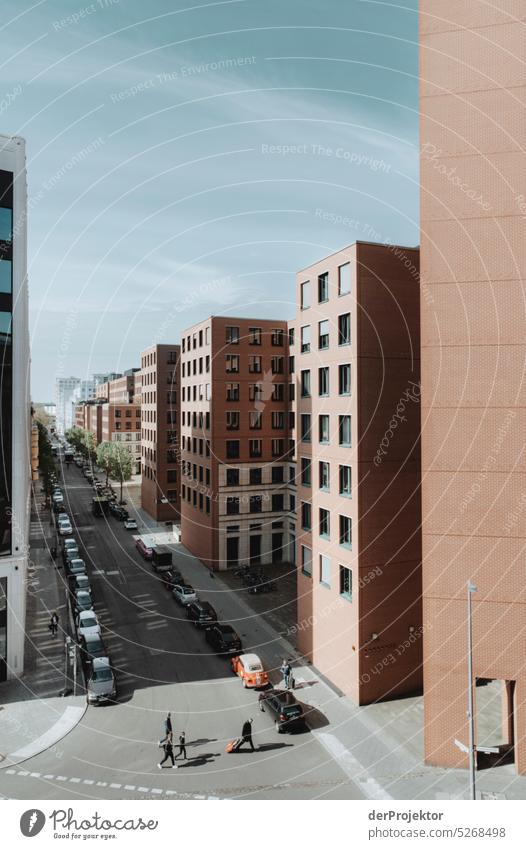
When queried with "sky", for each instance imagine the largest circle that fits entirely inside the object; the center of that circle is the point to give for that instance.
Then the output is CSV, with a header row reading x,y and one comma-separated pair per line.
x,y
185,159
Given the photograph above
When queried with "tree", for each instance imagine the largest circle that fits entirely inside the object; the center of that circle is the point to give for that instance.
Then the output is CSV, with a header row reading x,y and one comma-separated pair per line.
x,y
46,463
105,458
89,445
121,463
75,437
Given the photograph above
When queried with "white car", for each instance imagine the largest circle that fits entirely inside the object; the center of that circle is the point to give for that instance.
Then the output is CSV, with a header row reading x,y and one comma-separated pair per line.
x,y
64,528
184,594
130,524
87,623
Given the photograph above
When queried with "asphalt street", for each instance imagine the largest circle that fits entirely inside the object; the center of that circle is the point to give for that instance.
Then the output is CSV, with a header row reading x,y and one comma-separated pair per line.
x,y
163,663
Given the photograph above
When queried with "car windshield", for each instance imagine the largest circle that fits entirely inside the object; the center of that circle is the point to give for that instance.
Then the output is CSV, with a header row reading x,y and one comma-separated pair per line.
x,y
93,645
88,622
187,590
102,675
255,667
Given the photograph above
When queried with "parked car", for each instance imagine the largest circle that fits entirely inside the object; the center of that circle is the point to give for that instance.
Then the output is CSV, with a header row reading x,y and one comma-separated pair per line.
x,y
184,594
130,524
223,639
79,581
250,669
83,600
70,553
121,514
76,567
201,613
282,705
69,542
171,577
101,685
92,646
87,623
65,528
142,548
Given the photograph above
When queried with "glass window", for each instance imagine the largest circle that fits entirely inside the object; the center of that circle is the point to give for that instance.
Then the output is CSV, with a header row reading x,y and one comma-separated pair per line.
x,y
344,279
232,335
256,504
325,526
345,481
325,475
306,560
232,420
277,474
232,363
254,335
325,570
232,505
305,471
277,502
344,379
305,384
255,420
232,448
254,365
277,337
255,477
346,582
305,427
323,287
6,224
277,364
346,531
323,380
323,424
306,515
344,430
232,392
305,295
323,334
5,276
305,339
344,329
255,447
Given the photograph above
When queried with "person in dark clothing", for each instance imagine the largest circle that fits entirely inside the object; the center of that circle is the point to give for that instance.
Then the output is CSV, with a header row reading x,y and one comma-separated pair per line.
x,y
168,752
53,624
246,734
168,724
182,746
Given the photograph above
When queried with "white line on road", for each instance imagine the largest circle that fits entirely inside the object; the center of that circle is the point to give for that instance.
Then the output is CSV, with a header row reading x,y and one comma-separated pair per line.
x,y
369,786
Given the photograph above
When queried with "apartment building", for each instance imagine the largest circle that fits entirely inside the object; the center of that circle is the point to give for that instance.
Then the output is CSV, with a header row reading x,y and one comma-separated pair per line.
x,y
122,423
237,490
15,420
357,371
473,243
160,430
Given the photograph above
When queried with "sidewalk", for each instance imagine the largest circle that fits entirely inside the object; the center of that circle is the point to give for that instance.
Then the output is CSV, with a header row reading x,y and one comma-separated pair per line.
x,y
379,746
33,717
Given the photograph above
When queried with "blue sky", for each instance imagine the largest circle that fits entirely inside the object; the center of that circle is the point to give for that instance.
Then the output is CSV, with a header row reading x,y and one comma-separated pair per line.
x,y
187,158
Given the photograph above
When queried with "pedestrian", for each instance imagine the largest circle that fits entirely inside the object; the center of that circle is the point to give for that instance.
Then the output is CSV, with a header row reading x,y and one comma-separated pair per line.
x,y
246,734
182,746
53,623
286,671
168,724
167,745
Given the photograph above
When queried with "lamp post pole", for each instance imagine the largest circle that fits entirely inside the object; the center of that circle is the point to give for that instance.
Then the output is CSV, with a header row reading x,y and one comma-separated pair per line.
x,y
471,718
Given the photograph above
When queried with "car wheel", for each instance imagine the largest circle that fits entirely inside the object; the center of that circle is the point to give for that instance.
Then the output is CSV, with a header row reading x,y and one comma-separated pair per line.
x,y
277,726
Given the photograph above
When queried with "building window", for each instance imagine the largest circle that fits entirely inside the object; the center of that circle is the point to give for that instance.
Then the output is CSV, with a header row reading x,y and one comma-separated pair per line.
x,y
232,477
278,391
292,503
323,426
305,427
254,447
292,391
344,279
291,365
346,582
232,448
255,391
323,381
305,339
254,365
232,505
277,365
256,504
323,334
232,363
255,477
232,392
291,336
277,338
305,383
323,287
254,335
277,502
232,420
325,523
344,430
306,560
305,295
305,471
277,474
278,420
232,335
277,447
344,329
345,481
325,475
325,570
255,420
306,516
344,379
346,531
171,476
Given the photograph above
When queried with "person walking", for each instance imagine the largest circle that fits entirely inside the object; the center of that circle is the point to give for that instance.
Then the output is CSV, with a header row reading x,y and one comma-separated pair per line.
x,y
246,735
286,671
182,746
167,745
168,725
53,623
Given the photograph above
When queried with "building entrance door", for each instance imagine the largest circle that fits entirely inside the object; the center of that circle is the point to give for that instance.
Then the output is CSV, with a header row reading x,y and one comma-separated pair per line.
x,y
232,551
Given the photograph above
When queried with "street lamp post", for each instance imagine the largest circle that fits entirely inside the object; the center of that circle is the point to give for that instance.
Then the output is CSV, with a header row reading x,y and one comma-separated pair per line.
x,y
471,718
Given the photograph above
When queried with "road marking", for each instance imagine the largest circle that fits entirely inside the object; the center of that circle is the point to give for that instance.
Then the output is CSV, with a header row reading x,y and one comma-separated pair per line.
x,y
129,786
369,786
66,723
75,780
113,572
115,786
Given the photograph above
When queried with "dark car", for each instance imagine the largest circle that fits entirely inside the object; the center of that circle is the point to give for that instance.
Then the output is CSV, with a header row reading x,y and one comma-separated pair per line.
x,y
223,639
202,614
92,646
282,705
170,578
121,514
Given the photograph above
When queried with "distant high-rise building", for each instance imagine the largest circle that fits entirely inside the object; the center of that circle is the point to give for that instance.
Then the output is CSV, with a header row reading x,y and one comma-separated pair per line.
x,y
64,389
15,420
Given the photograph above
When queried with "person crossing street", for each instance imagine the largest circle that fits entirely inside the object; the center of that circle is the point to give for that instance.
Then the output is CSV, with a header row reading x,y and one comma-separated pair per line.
x,y
182,746
167,745
246,735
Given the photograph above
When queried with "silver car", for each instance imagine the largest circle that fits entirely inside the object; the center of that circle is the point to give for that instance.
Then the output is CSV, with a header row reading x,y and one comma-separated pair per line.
x,y
101,683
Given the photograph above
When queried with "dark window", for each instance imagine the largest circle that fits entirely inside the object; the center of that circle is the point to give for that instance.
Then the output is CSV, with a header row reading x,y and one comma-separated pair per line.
x,y
306,516
232,448
323,287
256,504
325,526
232,505
344,329
232,477
277,474
346,582
277,502
255,477
305,471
